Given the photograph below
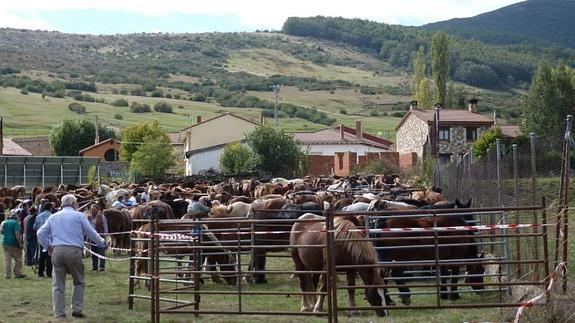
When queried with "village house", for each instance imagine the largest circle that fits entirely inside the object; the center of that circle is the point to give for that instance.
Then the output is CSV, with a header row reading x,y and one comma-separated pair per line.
x,y
456,131
339,149
204,141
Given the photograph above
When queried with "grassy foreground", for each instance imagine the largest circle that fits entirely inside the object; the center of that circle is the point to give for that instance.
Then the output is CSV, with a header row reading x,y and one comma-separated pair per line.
x,y
29,300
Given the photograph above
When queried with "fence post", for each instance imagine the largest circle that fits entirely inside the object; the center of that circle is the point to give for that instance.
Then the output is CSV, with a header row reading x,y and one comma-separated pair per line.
x,y
498,161
565,241
533,156
470,178
516,204
131,280
331,273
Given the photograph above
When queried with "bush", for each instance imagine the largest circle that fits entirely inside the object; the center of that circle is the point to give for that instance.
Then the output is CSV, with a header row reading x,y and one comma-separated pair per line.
x,y
77,107
118,116
24,91
373,113
343,111
198,97
398,114
136,107
120,103
157,94
488,139
163,107
237,159
168,96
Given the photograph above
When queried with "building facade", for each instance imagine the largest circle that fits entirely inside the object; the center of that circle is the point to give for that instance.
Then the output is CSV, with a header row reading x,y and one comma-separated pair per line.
x,y
204,141
453,135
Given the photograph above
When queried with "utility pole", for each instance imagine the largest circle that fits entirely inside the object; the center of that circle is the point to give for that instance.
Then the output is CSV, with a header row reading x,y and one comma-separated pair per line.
x,y
97,131
2,137
276,88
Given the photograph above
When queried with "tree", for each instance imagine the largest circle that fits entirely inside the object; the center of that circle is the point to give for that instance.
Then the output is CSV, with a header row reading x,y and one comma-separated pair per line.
x,y
440,65
163,107
72,135
237,158
425,93
278,152
549,100
134,136
488,139
153,157
419,81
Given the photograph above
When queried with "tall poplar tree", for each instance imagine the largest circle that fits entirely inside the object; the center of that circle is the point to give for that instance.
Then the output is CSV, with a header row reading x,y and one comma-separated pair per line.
x,y
419,81
440,65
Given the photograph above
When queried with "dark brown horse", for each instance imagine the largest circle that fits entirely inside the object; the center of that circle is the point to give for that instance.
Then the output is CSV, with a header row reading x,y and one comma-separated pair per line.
x,y
119,221
220,256
423,249
355,252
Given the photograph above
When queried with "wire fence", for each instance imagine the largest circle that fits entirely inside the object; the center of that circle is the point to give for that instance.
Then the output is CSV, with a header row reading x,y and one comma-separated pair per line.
x,y
512,175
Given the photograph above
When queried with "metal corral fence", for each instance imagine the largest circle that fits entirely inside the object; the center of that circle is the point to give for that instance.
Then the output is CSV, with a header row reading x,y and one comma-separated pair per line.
x,y
174,253
31,171
514,175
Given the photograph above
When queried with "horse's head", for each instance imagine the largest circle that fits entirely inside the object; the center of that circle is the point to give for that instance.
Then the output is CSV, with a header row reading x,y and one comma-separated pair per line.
x,y
375,296
460,205
475,274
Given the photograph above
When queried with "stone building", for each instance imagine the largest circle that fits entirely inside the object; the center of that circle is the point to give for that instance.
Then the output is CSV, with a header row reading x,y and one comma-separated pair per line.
x,y
457,130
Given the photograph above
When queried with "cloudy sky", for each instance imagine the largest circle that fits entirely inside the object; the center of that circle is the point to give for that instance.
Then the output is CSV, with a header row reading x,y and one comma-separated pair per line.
x,y
128,16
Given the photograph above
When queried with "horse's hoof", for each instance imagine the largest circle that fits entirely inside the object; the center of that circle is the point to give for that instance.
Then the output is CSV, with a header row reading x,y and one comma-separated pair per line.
x,y
454,297
406,301
354,313
305,309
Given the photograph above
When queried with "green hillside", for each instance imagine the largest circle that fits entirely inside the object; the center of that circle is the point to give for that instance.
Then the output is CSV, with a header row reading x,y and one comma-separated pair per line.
x,y
532,21
326,81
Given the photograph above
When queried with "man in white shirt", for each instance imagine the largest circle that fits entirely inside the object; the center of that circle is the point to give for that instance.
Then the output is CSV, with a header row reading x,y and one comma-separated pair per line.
x,y
119,203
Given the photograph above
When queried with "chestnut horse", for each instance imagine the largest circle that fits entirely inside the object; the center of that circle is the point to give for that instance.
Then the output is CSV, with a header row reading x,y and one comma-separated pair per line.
x,y
354,252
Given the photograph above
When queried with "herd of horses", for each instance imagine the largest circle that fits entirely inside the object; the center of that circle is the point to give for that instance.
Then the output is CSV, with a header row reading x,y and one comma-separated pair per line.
x,y
302,199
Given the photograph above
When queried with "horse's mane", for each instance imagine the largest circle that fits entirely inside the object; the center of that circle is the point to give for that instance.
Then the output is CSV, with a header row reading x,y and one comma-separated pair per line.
x,y
360,251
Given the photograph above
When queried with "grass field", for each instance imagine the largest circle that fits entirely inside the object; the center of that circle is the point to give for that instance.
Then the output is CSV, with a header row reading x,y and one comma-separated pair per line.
x,y
32,115
29,300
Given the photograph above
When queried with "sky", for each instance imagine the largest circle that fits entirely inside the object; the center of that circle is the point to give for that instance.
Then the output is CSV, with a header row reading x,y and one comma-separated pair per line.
x,y
134,16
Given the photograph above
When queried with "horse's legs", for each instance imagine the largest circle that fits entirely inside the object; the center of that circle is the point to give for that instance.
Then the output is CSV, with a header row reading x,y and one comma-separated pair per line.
x,y
323,288
405,292
260,266
306,285
210,266
454,295
443,290
351,292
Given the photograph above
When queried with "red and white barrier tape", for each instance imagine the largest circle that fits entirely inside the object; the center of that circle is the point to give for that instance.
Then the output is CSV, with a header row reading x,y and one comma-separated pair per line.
x,y
561,269
104,257
178,236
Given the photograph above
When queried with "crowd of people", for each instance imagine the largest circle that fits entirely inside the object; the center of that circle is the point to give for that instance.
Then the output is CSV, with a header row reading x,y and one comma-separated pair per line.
x,y
53,240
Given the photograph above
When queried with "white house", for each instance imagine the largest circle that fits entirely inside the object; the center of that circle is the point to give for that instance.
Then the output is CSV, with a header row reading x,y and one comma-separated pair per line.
x,y
204,141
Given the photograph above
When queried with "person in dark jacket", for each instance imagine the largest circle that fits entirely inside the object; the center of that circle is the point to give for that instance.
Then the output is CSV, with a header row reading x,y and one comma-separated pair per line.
x,y
30,236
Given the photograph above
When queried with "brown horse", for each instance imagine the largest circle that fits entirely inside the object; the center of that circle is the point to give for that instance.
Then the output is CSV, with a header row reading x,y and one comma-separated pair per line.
x,y
356,252
119,221
423,249
221,256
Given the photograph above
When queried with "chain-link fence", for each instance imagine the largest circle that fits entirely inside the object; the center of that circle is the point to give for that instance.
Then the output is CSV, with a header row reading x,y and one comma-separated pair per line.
x,y
512,175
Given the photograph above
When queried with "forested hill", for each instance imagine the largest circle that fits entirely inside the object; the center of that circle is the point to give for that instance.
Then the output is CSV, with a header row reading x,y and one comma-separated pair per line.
x,y
471,62
524,22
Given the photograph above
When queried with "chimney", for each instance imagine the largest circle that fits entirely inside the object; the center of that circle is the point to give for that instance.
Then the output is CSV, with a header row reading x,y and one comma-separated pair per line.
x,y
198,119
358,130
494,117
472,105
341,132
97,140
413,105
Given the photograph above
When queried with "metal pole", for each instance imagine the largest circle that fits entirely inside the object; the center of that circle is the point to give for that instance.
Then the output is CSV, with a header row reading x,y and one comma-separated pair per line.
x,y
5,175
515,198
61,173
331,272
43,173
534,219
568,140
80,173
131,281
545,247
24,172
98,172
498,147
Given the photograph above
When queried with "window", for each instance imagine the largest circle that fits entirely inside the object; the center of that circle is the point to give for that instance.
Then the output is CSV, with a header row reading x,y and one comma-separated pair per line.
x,y
471,133
444,158
111,155
444,133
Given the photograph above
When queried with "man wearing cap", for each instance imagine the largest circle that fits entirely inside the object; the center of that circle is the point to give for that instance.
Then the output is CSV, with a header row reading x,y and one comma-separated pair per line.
x,y
63,236
12,245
